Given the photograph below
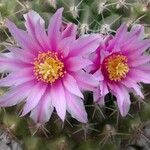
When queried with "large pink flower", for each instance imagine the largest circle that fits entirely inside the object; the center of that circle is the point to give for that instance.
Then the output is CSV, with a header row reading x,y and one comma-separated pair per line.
x,y
121,64
46,68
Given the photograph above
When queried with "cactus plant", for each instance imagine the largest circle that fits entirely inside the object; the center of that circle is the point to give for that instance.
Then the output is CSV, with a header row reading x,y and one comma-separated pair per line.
x,y
106,128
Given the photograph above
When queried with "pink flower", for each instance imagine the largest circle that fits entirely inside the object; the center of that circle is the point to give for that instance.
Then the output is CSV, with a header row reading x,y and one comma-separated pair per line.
x,y
120,64
46,68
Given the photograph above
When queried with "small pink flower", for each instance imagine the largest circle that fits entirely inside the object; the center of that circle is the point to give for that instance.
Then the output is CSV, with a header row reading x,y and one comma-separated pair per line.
x,y
120,64
46,68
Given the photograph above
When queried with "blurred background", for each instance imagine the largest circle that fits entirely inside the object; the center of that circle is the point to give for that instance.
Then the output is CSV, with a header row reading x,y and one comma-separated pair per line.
x,y
106,129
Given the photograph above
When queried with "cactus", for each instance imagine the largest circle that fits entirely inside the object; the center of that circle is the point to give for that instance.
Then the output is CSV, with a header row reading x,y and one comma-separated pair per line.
x,y
106,129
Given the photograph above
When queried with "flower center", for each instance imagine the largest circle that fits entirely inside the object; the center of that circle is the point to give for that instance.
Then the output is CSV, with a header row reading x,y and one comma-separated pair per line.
x,y
48,67
116,66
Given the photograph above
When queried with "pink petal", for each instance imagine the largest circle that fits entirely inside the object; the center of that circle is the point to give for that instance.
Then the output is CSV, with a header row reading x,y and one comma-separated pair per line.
x,y
77,63
98,98
24,40
86,81
16,94
137,30
100,93
36,28
123,98
94,57
137,48
127,39
85,45
17,78
99,75
76,108
71,85
21,54
70,30
103,88
64,45
119,37
101,101
31,19
9,63
34,97
130,83
139,75
128,44
96,95
42,37
139,61
54,28
144,67
42,112
134,36
59,99
121,31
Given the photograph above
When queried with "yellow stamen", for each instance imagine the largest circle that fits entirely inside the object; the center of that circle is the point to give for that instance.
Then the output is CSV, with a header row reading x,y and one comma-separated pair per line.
x,y
48,67
116,66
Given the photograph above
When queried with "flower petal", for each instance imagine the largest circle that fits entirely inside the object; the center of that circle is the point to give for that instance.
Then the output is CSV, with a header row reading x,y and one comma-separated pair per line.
x,y
16,94
139,75
31,19
42,37
103,88
9,63
123,99
119,37
85,45
136,48
137,30
64,45
70,30
42,112
34,97
76,107
71,85
22,77
36,28
100,93
130,83
96,95
23,39
144,67
86,81
59,99
139,61
135,35
54,28
21,54
77,63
